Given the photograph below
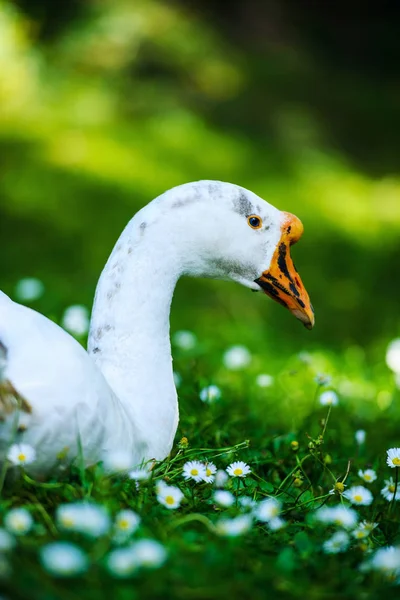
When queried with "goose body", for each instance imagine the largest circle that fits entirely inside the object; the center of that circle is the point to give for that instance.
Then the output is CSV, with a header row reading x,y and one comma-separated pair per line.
x,y
120,394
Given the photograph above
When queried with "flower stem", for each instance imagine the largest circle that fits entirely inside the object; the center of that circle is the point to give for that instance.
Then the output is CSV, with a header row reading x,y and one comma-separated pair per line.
x,y
395,490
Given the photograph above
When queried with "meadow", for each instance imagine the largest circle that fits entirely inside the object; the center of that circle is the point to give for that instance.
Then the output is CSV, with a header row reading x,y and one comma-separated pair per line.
x,y
103,107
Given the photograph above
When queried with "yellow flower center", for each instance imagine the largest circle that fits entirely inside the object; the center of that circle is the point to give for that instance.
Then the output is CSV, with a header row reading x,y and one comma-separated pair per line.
x,y
123,524
367,477
358,498
194,472
208,472
169,499
238,471
21,457
339,487
396,461
360,534
391,488
67,521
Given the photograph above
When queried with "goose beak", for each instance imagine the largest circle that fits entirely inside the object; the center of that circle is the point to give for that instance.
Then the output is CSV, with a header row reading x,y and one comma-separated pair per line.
x,y
281,281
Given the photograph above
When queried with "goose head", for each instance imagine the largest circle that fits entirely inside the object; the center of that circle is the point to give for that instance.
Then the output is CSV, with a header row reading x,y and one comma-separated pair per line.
x,y
225,231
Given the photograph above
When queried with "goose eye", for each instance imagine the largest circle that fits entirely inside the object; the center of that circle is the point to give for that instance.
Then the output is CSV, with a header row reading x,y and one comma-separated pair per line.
x,y
254,221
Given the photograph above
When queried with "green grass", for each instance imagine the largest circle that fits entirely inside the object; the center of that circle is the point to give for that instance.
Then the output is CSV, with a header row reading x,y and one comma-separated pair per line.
x,y
247,423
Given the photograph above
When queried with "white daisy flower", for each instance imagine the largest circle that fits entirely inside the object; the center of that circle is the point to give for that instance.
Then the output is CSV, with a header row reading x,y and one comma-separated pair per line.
x,y
393,457
118,461
276,524
360,436
211,470
268,509
18,521
195,470
149,553
263,380
210,393
126,522
329,398
21,454
177,379
234,527
389,489
368,475
358,495
76,320
224,498
7,541
393,356
82,517
185,340
339,542
122,562
221,478
140,474
322,379
337,515
364,529
236,357
63,559
387,561
247,502
28,289
170,496
238,469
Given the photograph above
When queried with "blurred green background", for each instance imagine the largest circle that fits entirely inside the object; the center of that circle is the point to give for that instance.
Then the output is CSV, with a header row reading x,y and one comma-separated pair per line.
x,y
104,104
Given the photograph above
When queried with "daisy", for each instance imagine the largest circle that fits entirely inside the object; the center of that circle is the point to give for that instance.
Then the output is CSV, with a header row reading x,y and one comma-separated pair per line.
x,y
387,561
28,289
89,519
389,489
322,379
149,553
247,502
210,393
7,541
234,527
170,496
358,495
329,398
268,509
21,454
224,498
276,523
63,559
393,457
337,515
339,542
122,562
238,469
393,356
185,340
76,320
126,522
364,529
195,470
263,380
118,461
236,357
360,436
221,477
18,521
140,474
211,470
368,475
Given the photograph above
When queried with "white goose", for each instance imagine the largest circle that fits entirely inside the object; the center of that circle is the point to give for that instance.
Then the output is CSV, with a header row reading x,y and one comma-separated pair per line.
x,y
121,394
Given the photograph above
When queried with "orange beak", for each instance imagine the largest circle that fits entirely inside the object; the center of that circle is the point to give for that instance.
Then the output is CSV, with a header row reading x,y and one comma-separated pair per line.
x,y
282,282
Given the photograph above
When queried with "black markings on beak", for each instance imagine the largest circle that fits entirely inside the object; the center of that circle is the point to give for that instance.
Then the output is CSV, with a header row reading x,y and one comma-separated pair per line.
x,y
271,290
